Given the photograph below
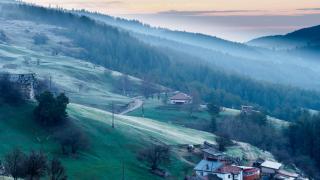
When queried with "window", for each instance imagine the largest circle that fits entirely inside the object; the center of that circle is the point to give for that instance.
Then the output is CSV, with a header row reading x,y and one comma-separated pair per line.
x,y
229,176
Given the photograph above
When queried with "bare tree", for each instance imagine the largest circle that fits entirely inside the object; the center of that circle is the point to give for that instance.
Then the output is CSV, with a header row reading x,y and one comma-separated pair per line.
x,y
56,171
72,140
36,165
14,164
155,155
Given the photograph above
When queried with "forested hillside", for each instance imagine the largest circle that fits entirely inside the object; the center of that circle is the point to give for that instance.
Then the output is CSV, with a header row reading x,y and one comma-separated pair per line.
x,y
255,62
117,50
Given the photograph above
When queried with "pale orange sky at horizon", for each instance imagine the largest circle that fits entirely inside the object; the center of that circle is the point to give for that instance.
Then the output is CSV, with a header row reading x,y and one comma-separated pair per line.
x,y
153,6
238,20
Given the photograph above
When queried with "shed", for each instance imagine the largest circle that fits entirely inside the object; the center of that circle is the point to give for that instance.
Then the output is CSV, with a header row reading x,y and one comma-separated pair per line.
x,y
270,167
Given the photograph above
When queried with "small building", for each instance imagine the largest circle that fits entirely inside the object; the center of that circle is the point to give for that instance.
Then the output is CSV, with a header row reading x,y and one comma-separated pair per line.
x,y
205,167
213,155
180,98
246,109
229,172
250,173
270,168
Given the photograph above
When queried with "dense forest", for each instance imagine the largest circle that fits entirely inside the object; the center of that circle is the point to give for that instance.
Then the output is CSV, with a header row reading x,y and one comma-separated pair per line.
x,y
117,50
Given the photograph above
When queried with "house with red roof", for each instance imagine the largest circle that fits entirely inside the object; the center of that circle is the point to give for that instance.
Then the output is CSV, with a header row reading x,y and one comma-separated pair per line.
x,y
229,172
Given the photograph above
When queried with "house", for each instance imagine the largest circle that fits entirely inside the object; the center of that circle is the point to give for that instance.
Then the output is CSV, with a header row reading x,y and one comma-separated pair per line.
x,y
250,173
229,172
270,168
180,98
205,167
246,109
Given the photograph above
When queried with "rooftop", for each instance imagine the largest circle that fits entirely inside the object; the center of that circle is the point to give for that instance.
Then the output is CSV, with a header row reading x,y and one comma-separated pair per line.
x,y
229,169
210,166
213,152
271,164
180,96
288,174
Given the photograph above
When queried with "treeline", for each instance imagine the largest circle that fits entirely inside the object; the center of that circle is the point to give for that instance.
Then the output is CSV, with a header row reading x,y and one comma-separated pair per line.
x,y
304,140
117,50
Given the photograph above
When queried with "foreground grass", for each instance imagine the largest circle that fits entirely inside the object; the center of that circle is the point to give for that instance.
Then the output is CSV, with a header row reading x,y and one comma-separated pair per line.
x,y
112,152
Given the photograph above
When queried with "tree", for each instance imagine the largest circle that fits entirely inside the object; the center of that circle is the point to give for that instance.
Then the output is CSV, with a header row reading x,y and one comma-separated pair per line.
x,y
56,171
194,105
3,36
14,164
155,155
214,111
9,92
223,143
124,84
72,140
213,124
35,165
51,111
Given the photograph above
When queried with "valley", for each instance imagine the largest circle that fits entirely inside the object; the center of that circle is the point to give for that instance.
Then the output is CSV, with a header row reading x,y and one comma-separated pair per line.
x,y
115,80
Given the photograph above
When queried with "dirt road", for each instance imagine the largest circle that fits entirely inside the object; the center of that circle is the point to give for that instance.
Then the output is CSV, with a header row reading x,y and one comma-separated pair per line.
x,y
135,104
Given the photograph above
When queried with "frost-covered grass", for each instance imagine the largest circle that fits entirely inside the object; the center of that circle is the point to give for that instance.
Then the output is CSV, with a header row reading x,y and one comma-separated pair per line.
x,y
150,130
83,82
168,133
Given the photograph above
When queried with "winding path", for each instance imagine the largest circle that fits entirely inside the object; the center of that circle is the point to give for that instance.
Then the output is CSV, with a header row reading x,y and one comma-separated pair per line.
x,y
135,104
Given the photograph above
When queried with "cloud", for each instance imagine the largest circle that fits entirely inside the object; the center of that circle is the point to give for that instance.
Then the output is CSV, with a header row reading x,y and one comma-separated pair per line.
x,y
199,13
309,9
115,2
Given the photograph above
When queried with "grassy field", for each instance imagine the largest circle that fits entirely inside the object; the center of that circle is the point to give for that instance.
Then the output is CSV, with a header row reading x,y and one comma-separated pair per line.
x,y
110,149
173,114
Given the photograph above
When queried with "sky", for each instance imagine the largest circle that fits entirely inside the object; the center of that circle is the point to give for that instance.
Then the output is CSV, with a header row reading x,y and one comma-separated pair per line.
x,y
237,20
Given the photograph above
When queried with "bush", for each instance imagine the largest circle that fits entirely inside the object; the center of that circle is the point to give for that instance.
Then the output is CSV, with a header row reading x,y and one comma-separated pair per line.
x,y
40,39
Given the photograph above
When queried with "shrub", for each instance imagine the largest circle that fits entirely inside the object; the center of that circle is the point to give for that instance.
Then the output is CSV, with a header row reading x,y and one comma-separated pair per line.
x,y
40,39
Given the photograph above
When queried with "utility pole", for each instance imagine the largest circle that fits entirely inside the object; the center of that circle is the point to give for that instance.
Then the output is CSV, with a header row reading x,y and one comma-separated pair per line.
x,y
112,106
122,170
50,81
142,109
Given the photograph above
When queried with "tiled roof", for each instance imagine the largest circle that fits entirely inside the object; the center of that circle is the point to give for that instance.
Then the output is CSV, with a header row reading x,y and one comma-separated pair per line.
x,y
271,164
229,169
180,96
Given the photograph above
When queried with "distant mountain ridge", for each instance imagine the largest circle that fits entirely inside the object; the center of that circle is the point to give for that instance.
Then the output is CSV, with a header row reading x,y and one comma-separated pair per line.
x,y
304,37
194,39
